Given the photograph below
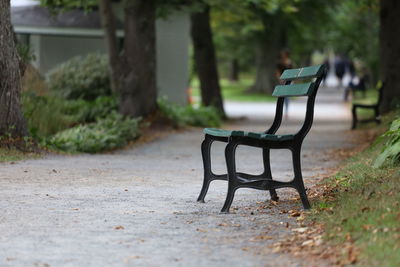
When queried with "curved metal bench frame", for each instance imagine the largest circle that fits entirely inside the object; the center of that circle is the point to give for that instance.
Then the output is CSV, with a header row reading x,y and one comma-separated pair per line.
x,y
264,181
374,107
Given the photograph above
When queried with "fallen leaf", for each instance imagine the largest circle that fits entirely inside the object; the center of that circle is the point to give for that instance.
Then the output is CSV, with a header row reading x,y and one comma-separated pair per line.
x,y
119,227
307,243
366,227
300,230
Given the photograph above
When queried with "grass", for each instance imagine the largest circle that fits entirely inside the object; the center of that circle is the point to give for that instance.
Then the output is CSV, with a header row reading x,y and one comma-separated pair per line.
x,y
363,208
12,154
236,91
371,97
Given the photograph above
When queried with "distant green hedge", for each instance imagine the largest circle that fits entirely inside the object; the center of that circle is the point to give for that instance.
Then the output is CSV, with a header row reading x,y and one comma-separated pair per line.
x,y
81,77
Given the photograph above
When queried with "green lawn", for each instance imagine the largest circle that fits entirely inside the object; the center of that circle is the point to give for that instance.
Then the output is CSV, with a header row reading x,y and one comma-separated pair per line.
x,y
362,208
235,91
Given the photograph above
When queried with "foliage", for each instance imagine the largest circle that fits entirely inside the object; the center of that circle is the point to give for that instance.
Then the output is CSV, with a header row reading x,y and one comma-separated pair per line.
x,y
238,24
164,7
353,31
81,77
25,52
391,149
182,116
88,111
111,132
69,4
362,210
45,115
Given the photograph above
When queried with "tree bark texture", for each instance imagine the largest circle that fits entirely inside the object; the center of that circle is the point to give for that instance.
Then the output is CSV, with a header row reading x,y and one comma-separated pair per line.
x,y
390,52
11,118
267,52
134,69
110,32
205,59
234,70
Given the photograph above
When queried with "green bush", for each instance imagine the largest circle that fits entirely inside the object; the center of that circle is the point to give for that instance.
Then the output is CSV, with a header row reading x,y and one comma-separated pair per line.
x,y
45,115
88,111
181,116
106,133
391,149
81,77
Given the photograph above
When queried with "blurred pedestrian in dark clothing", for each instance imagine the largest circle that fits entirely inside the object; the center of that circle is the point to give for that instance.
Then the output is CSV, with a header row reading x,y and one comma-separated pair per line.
x,y
352,68
360,85
340,68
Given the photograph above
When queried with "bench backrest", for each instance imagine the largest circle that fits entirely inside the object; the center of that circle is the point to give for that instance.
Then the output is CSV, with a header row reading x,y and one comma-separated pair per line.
x,y
308,89
302,89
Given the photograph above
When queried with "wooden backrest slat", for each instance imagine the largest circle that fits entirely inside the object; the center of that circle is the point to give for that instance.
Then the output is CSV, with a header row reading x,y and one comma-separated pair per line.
x,y
301,89
302,73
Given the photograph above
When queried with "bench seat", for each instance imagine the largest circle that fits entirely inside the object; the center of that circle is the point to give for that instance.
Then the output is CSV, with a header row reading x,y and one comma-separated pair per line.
x,y
260,136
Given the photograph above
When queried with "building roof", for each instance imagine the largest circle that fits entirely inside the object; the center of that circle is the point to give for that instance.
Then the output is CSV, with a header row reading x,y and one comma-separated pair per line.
x,y
39,20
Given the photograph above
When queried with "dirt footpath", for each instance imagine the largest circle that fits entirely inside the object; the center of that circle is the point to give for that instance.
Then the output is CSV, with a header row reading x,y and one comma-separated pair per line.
x,y
137,207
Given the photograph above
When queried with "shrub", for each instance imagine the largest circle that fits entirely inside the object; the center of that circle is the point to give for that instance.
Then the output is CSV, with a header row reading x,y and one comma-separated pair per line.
x,y
81,77
45,115
391,149
181,116
89,111
107,133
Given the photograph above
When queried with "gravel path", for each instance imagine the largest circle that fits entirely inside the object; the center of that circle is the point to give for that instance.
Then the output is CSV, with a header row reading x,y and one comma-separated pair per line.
x,y
136,207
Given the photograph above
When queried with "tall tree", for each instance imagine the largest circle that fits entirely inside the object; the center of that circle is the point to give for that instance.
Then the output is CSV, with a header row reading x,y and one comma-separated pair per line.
x,y
390,52
270,26
11,118
268,46
205,58
134,70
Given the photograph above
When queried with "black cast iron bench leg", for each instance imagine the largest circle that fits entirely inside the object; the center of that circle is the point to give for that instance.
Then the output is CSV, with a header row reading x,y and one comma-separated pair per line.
x,y
206,155
232,183
298,178
267,172
355,120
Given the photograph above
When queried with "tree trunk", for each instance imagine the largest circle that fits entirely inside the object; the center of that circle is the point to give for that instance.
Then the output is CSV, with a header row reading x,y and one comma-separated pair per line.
x,y
133,70
267,52
110,32
390,52
11,119
138,86
205,59
234,70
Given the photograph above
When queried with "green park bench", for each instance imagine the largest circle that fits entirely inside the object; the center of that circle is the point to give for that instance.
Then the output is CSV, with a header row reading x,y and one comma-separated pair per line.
x,y
266,141
375,107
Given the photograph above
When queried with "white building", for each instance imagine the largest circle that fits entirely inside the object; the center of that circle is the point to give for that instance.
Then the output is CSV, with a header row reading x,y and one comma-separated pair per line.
x,y
55,38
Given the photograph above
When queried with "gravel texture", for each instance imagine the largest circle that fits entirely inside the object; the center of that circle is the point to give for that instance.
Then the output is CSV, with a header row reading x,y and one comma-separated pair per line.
x,y
137,206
